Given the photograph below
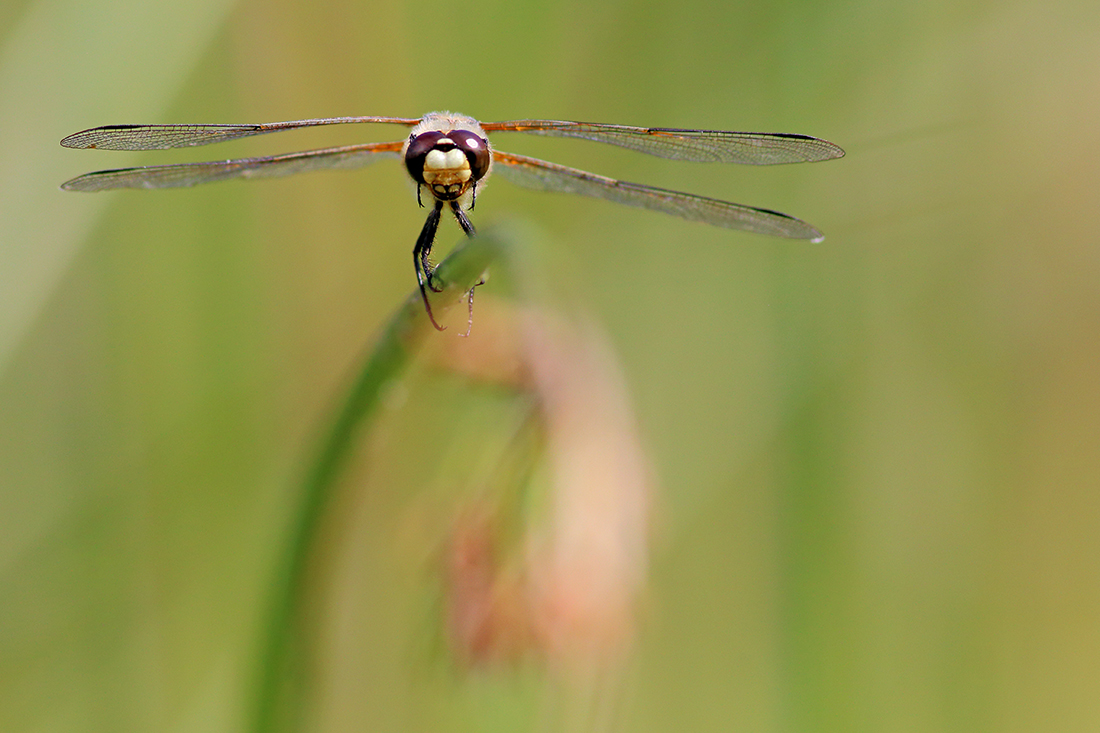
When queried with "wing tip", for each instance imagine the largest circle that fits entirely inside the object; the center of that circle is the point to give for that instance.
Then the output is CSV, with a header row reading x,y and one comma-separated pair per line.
x,y
76,141
822,150
834,151
80,183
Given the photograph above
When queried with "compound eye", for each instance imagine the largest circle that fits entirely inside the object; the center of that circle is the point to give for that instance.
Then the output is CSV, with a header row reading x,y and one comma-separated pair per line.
x,y
476,150
419,147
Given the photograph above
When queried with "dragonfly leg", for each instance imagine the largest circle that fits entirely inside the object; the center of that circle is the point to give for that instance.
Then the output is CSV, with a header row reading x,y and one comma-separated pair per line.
x,y
468,228
421,262
463,220
469,312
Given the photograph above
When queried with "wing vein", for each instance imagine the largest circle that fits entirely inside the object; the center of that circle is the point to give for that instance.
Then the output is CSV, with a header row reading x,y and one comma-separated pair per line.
x,y
191,174
708,146
162,137
541,175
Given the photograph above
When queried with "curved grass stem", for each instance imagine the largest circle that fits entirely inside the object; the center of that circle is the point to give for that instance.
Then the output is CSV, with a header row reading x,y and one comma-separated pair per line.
x,y
282,661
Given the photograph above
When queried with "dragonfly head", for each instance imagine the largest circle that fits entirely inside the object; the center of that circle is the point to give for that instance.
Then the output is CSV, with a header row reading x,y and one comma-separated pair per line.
x,y
448,162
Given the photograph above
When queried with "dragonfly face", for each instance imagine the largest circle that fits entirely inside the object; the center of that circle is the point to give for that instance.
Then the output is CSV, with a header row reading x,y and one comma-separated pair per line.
x,y
447,155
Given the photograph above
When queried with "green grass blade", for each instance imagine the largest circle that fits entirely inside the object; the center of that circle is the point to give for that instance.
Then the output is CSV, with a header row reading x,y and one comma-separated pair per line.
x,y
283,659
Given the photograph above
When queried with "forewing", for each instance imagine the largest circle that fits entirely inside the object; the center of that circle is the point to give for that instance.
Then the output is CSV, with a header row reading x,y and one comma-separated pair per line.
x,y
192,174
160,137
719,146
538,174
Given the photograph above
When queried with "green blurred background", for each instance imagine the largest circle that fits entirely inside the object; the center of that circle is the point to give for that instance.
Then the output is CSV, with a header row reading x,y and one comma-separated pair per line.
x,y
878,456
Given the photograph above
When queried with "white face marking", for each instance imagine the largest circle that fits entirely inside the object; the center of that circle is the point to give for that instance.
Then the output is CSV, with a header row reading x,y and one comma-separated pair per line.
x,y
451,177
451,160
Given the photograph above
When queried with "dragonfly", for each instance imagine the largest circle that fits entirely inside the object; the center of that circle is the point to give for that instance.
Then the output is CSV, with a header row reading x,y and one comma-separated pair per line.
x,y
448,156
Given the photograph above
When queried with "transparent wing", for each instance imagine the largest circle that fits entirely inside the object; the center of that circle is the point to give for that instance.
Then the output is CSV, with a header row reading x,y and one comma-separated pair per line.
x,y
719,146
160,137
192,174
538,174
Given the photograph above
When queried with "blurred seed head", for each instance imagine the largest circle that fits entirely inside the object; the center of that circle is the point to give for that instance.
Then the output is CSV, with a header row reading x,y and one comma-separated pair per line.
x,y
567,591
